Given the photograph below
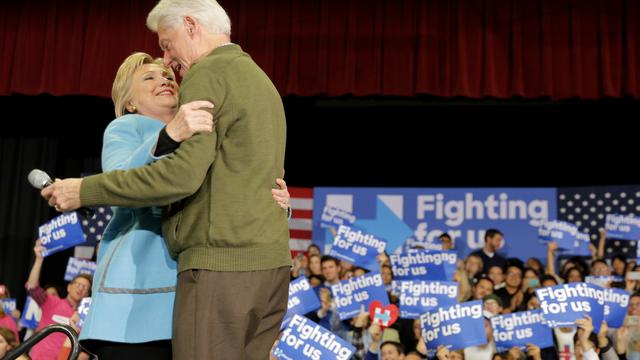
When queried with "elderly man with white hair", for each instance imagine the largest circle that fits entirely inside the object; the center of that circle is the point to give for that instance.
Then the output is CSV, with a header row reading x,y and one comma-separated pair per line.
x,y
229,237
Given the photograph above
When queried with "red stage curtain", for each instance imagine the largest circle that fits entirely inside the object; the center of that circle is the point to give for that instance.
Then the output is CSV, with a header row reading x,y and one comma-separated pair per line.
x,y
472,48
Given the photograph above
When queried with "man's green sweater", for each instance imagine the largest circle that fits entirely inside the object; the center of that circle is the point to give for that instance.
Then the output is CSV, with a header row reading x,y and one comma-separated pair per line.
x,y
220,214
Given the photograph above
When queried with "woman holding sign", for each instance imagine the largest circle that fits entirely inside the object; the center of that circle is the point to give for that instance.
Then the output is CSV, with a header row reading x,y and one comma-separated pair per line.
x,y
131,311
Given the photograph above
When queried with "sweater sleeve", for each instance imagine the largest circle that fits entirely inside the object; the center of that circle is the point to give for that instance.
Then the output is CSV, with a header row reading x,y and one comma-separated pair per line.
x,y
172,178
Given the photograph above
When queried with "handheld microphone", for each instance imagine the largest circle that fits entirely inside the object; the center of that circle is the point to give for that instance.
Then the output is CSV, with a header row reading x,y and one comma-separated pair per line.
x,y
40,179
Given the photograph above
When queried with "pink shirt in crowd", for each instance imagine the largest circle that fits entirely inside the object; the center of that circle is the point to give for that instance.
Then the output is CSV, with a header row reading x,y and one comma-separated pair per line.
x,y
54,311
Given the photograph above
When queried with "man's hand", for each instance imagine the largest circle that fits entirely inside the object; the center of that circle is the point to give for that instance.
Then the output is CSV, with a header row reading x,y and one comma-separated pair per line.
x,y
190,119
281,196
64,195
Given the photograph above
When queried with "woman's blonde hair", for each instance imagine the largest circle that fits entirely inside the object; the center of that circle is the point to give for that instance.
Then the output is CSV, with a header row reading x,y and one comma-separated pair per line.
x,y
121,90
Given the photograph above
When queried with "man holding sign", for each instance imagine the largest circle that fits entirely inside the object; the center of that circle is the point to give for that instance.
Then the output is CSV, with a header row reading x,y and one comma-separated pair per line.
x,y
54,309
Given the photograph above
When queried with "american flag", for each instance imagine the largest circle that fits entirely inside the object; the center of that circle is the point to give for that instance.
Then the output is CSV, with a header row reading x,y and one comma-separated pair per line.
x,y
93,229
301,219
587,207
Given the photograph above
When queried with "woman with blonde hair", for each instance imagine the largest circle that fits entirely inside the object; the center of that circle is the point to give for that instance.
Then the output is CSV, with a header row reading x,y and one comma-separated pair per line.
x,y
135,280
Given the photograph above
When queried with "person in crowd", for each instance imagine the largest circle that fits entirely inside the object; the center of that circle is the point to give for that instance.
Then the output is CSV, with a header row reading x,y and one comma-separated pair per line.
x,y
496,274
54,308
619,265
511,294
300,266
464,285
535,264
599,267
314,265
482,288
5,293
313,249
8,342
447,241
6,319
493,239
492,305
473,266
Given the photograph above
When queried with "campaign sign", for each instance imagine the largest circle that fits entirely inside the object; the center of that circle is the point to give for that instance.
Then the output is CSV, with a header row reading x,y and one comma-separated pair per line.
x,y
83,310
357,247
31,314
76,266
564,304
616,303
561,232
519,329
351,294
623,227
61,233
8,305
416,217
304,339
334,217
424,265
443,326
418,297
302,297
581,245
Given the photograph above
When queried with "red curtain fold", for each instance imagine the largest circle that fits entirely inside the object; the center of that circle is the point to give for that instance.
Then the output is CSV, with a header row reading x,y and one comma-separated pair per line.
x,y
472,48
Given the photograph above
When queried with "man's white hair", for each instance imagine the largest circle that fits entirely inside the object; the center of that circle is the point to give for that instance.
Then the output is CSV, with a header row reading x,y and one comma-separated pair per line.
x,y
170,13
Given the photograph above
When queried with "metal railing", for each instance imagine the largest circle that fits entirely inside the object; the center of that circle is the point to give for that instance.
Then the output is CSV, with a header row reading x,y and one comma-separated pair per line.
x,y
28,344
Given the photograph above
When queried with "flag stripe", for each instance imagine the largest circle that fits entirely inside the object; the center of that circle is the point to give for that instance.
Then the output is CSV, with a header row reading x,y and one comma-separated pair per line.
x,y
301,192
302,214
300,234
301,203
300,224
299,244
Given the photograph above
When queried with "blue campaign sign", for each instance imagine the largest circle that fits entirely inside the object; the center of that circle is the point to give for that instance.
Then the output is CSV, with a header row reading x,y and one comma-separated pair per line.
x,y
419,297
31,314
83,310
444,327
564,304
304,339
334,217
350,294
616,303
581,245
302,297
424,265
8,305
77,266
563,233
519,329
61,233
414,217
357,247
623,227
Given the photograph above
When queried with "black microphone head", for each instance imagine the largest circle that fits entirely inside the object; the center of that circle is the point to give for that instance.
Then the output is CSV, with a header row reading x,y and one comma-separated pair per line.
x,y
39,179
